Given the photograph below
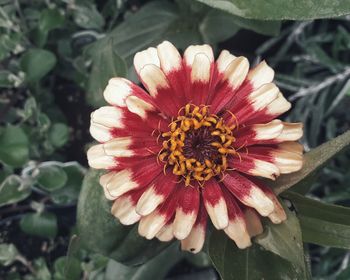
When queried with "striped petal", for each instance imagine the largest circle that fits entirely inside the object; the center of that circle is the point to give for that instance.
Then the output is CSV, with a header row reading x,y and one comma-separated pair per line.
x,y
215,204
195,240
186,211
260,75
248,193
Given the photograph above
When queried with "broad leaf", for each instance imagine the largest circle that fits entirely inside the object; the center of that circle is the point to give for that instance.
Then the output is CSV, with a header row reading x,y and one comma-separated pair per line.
x,y
39,224
8,254
51,177
321,223
59,134
12,190
101,232
14,149
279,245
36,63
313,161
279,10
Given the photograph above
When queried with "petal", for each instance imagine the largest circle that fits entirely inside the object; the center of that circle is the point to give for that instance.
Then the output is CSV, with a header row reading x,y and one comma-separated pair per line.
x,y
215,204
153,79
260,75
248,193
254,226
290,132
97,158
195,240
152,224
107,116
156,193
100,133
236,71
166,233
146,57
191,52
224,59
186,211
170,58
236,229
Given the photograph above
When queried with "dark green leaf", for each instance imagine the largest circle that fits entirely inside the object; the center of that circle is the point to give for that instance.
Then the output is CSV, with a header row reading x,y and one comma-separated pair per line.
x,y
39,224
59,134
6,79
67,271
70,192
278,10
12,190
51,177
285,241
100,232
50,19
8,254
41,270
36,63
321,223
252,263
14,148
88,17
313,161
106,64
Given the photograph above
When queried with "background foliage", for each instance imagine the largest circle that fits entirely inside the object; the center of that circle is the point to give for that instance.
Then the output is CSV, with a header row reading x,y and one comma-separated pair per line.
x,y
56,57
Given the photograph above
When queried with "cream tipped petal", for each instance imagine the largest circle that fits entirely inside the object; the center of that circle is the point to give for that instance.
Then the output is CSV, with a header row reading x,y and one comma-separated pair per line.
x,y
150,225
170,58
237,231
118,147
269,130
153,78
265,169
260,75
100,133
200,68
148,201
183,223
287,161
195,241
258,200
218,213
279,105
124,209
104,179
224,59
107,116
293,147
138,106
149,56
120,183
191,52
97,158
117,90
236,71
263,96
291,132
166,233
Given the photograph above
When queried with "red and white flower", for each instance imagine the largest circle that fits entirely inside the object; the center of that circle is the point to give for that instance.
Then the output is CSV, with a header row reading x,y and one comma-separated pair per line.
x,y
194,143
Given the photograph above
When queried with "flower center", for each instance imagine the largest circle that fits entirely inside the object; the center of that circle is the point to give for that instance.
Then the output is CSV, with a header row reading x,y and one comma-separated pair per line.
x,y
197,144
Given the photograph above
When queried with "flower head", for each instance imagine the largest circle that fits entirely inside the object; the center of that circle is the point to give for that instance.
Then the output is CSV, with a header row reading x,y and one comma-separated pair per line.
x,y
195,143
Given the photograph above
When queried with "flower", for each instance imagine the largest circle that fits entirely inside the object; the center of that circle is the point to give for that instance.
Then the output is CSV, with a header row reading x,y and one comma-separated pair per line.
x,y
196,144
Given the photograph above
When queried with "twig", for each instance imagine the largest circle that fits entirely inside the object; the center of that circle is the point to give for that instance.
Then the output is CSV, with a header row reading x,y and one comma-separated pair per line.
x,y
326,83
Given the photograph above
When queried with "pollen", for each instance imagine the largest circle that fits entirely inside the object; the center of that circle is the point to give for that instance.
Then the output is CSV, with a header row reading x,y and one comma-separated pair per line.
x,y
197,145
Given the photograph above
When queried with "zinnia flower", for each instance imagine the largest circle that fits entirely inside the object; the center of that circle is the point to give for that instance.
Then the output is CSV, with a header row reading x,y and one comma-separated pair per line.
x,y
194,143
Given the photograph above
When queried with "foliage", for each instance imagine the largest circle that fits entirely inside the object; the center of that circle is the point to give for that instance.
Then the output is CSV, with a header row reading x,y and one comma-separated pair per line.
x,y
56,57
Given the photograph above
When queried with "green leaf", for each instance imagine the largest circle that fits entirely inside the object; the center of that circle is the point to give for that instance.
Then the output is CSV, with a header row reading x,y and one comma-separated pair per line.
x,y
51,177
8,254
6,79
106,63
280,10
41,270
12,190
39,224
59,134
88,17
321,223
70,192
50,19
36,63
313,161
65,270
101,232
14,149
252,263
279,245
285,241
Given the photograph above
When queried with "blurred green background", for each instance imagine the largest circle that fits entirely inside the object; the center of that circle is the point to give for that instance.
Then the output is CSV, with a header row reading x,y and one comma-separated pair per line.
x,y
56,58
